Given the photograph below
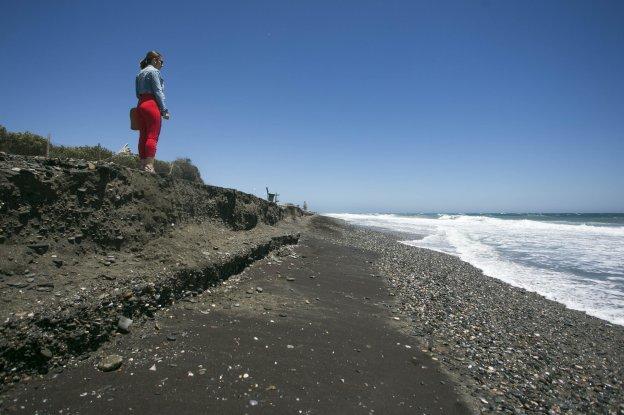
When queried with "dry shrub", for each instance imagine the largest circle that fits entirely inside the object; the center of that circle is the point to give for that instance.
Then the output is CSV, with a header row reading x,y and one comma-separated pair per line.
x,y
183,168
26,144
126,160
29,144
95,153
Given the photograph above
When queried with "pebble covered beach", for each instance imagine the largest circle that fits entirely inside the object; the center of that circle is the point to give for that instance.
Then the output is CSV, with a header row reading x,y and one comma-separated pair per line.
x,y
513,350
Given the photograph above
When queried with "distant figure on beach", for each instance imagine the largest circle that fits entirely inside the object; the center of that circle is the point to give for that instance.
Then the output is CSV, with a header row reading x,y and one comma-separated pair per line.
x,y
151,107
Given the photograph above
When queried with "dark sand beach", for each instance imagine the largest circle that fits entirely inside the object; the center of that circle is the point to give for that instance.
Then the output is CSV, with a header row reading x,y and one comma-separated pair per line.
x,y
327,326
309,329
515,351
240,306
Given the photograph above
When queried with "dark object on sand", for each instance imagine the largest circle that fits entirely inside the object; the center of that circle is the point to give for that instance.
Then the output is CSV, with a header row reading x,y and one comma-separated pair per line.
x,y
110,363
39,248
271,197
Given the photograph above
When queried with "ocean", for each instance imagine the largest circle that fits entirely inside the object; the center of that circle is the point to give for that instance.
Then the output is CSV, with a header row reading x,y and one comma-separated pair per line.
x,y
575,259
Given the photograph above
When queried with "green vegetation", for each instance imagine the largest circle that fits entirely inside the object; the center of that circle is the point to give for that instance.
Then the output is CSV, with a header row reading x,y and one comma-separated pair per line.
x,y
29,144
82,152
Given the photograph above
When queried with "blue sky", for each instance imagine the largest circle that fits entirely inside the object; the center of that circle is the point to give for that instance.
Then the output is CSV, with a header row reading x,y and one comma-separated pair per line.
x,y
360,106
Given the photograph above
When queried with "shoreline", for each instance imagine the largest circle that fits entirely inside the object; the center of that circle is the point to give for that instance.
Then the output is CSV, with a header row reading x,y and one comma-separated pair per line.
x,y
399,235
476,344
513,348
577,264
310,329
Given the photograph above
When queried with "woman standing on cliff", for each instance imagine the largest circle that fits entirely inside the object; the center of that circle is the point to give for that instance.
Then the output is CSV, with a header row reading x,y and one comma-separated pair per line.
x,y
151,107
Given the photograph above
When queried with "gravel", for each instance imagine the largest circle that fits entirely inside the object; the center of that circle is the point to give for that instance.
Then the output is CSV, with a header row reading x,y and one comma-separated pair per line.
x,y
513,350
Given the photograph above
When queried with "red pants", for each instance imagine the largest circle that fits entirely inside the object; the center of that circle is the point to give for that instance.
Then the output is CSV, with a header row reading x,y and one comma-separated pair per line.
x,y
149,116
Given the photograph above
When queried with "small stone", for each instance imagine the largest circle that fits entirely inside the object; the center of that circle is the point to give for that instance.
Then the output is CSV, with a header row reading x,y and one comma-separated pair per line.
x,y
172,337
259,289
17,284
45,287
283,315
153,368
253,402
46,353
124,324
39,248
110,363
290,279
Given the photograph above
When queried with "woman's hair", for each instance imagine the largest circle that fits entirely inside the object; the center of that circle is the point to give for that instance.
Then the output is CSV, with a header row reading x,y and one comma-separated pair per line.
x,y
152,54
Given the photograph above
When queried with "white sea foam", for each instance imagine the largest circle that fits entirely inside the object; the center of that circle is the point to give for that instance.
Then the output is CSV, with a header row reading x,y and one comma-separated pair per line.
x,y
579,265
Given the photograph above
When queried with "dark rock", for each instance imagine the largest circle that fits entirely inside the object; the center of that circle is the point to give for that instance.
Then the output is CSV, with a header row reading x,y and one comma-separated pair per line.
x,y
39,248
46,353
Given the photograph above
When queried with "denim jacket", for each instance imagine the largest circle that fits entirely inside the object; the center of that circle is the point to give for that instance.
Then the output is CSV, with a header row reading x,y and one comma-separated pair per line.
x,y
149,81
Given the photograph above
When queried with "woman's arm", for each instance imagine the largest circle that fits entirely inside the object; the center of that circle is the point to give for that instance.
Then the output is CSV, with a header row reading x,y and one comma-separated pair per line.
x,y
155,82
